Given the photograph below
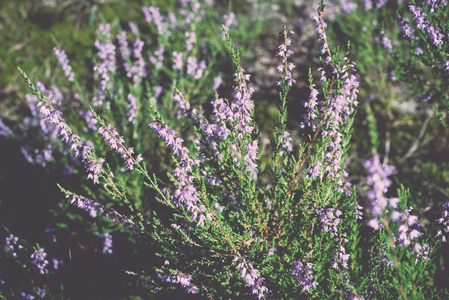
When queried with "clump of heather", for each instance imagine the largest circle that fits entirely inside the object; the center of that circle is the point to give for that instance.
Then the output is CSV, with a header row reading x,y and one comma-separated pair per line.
x,y
191,180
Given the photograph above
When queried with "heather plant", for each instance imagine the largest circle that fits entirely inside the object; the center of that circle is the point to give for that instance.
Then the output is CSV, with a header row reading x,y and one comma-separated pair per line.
x,y
223,216
405,42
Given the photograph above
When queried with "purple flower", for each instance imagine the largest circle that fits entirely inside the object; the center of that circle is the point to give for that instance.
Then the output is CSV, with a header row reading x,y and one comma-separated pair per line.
x,y
311,106
368,4
406,30
251,277
217,83
134,28
153,15
251,158
38,258
444,221
116,142
378,179
304,275
329,220
191,39
177,60
4,130
12,244
179,278
64,62
107,245
158,59
419,16
123,46
340,259
285,68
446,65
321,28
106,64
348,6
94,208
132,109
381,3
185,194
386,42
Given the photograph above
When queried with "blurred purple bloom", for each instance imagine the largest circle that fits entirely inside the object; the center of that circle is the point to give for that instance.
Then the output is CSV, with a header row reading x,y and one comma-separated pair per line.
x,y
123,46
348,6
378,179
177,60
217,83
153,15
64,62
158,59
134,28
132,109
107,245
190,41
12,244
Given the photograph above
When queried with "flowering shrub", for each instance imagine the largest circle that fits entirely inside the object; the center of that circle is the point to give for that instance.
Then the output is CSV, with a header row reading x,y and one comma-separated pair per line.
x,y
190,179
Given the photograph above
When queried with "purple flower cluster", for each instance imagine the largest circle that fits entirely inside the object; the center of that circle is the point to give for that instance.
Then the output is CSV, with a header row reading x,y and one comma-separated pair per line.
x,y
217,82
304,275
378,179
190,40
194,68
94,166
177,60
38,258
407,231
251,277
444,220
132,109
184,107
321,28
286,67
379,205
341,258
153,15
158,59
404,25
12,244
116,142
348,6
335,113
64,62
386,43
311,107
329,220
54,117
123,46
94,209
4,130
421,23
106,65
229,20
235,121
185,193
179,278
107,242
